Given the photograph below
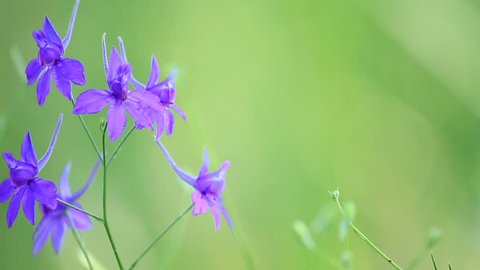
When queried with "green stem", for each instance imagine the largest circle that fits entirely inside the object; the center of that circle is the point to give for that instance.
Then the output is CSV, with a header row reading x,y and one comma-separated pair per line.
x,y
80,241
152,244
433,261
99,219
88,133
105,216
119,147
364,237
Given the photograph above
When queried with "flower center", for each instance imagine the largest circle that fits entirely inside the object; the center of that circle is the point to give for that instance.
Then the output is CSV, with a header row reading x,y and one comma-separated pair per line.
x,y
119,90
48,56
118,83
167,96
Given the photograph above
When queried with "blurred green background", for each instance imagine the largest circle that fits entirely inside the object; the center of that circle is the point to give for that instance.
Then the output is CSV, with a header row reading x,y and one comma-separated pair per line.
x,y
378,98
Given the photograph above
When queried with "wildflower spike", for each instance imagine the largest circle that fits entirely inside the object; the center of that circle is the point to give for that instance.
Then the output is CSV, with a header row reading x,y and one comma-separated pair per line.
x,y
141,105
24,185
164,90
209,188
51,63
56,220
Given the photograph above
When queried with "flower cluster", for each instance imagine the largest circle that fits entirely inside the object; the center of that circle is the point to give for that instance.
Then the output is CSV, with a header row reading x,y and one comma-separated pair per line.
x,y
150,105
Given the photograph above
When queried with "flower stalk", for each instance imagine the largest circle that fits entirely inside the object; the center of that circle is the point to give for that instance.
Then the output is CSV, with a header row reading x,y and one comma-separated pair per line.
x,y
89,135
119,146
152,244
97,218
105,212
336,196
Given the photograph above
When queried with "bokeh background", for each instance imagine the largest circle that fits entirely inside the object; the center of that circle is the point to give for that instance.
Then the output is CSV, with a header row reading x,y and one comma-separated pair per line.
x,y
378,98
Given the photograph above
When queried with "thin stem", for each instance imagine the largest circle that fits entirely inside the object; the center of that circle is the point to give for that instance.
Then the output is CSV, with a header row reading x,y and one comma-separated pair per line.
x,y
119,146
433,261
99,219
105,216
152,244
80,241
88,133
363,236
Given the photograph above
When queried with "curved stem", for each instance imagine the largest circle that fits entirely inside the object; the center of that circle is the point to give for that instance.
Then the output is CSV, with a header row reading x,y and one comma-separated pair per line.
x,y
88,133
336,195
80,241
97,218
119,146
152,244
105,216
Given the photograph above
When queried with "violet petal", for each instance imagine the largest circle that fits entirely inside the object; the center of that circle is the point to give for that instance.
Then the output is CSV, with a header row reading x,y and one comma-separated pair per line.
x,y
33,70
63,85
43,86
14,207
58,234
92,101
29,206
180,112
206,162
28,151
81,221
226,215
170,124
11,161
117,120
200,204
72,70
216,218
40,235
114,63
7,188
154,73
44,191
51,33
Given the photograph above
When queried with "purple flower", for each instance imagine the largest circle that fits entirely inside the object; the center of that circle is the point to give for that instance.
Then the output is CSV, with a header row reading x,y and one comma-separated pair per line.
x,y
209,187
24,185
51,63
141,105
55,221
164,90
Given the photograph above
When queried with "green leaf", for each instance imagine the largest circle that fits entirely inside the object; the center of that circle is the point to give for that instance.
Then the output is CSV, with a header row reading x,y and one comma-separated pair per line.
x,y
324,219
346,260
19,62
304,233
